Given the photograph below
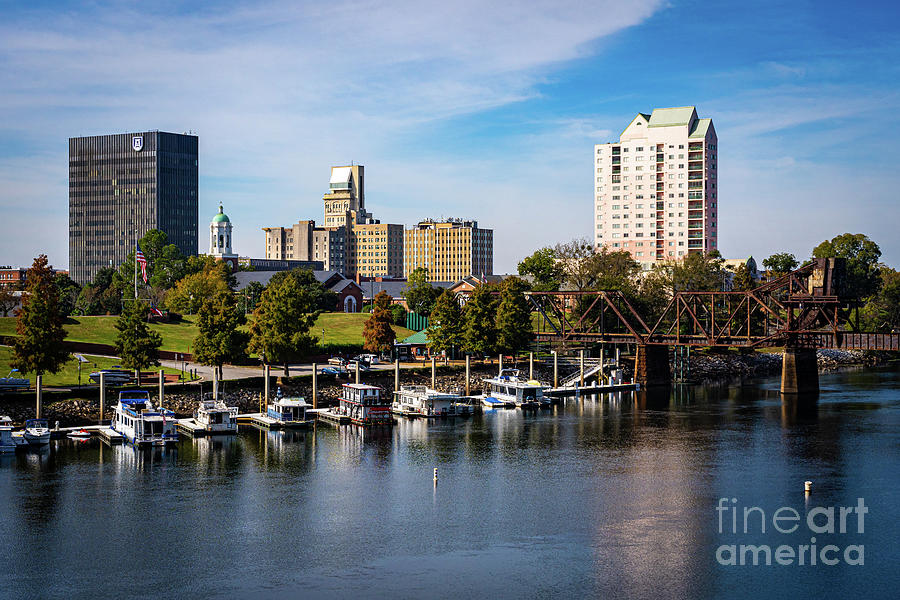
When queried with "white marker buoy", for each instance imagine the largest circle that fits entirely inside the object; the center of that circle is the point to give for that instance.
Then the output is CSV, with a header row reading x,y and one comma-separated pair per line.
x,y
435,474
807,487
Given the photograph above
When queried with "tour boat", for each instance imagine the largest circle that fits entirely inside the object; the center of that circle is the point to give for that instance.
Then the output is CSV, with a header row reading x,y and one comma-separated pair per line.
x,y
213,416
289,412
14,383
508,388
363,405
420,401
80,435
7,443
36,432
141,423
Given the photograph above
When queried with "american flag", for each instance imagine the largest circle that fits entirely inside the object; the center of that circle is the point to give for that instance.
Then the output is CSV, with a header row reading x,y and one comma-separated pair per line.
x,y
155,312
139,257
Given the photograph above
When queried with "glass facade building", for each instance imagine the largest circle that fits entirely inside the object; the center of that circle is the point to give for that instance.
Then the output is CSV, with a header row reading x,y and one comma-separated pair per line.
x,y
121,186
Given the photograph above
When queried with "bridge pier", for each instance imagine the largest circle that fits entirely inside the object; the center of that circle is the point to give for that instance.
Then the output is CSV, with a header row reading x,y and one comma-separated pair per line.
x,y
651,366
799,371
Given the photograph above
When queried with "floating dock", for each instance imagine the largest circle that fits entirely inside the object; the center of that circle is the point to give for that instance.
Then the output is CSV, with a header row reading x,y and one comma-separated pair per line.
x,y
110,436
191,427
324,414
266,422
591,390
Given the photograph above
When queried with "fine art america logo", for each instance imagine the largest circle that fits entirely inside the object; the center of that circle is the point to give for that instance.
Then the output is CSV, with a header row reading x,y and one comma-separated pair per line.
x,y
137,143
751,524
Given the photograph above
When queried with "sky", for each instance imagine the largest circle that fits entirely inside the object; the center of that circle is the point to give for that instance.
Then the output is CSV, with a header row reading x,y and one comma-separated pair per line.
x,y
471,109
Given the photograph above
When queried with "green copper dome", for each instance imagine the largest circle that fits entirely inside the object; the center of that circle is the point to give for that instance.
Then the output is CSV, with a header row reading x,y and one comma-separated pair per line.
x,y
221,217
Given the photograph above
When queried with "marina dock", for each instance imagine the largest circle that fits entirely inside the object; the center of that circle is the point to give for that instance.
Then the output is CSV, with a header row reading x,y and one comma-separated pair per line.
x,y
266,422
111,437
192,428
326,415
591,390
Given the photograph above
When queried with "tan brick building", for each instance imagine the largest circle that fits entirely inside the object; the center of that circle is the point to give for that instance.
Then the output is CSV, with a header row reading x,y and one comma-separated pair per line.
x,y
450,250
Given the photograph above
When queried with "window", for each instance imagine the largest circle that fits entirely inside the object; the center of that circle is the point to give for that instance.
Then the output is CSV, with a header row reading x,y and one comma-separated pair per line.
x,y
681,146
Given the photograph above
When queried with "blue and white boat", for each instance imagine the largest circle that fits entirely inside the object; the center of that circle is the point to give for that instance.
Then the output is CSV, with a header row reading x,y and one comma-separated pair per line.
x,y
142,424
10,382
508,388
490,402
37,433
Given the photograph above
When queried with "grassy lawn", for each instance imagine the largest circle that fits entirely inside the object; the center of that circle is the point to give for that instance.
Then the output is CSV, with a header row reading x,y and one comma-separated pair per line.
x,y
68,376
340,328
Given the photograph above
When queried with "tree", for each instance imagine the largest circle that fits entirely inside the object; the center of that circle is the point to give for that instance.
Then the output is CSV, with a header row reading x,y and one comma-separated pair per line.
x,y
862,254
420,294
377,331
191,291
166,264
545,272
399,314
324,299
742,281
220,339
697,272
279,331
445,325
882,311
250,296
514,329
38,346
479,321
136,344
780,264
68,292
575,260
8,301
614,270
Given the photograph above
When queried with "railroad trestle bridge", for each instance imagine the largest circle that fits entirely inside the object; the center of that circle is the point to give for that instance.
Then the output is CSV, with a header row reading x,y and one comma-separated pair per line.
x,y
804,310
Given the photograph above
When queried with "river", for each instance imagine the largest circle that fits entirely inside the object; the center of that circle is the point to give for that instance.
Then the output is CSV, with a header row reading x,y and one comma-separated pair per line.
x,y
600,497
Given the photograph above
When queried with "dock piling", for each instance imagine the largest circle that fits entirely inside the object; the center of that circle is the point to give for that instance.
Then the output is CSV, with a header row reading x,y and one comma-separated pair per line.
x,y
555,369
38,388
265,385
102,394
501,364
467,374
162,388
433,374
581,366
531,365
807,487
315,387
215,384
397,375
357,371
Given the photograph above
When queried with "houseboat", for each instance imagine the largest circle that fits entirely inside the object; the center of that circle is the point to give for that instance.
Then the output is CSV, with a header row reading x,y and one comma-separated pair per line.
x,y
142,424
508,388
363,405
420,401
289,412
212,417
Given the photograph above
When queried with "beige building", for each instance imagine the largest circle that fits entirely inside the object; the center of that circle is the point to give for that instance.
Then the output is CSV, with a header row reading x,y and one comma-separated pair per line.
x,y
351,242
450,250
655,192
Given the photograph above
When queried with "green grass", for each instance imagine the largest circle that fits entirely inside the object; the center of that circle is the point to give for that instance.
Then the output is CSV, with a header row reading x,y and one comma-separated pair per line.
x,y
68,376
340,328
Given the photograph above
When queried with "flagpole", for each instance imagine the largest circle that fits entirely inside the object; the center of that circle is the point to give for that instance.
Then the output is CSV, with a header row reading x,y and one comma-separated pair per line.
x,y
135,266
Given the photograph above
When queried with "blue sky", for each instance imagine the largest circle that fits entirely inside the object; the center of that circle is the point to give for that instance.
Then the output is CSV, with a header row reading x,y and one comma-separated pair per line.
x,y
465,109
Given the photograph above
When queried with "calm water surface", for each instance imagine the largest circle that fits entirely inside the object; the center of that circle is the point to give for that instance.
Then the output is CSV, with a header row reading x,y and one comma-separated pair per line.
x,y
606,497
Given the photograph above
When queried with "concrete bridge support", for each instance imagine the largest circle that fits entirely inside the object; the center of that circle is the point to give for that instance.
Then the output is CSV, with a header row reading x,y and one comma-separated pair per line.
x,y
799,371
651,366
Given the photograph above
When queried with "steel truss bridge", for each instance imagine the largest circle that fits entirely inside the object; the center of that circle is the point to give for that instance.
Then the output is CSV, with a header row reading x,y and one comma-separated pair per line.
x,y
808,308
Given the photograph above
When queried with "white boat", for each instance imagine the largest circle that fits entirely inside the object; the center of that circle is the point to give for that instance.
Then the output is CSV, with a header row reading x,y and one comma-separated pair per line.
x,y
80,435
114,376
6,421
36,432
289,412
489,403
14,383
7,443
141,423
363,405
213,416
420,401
509,388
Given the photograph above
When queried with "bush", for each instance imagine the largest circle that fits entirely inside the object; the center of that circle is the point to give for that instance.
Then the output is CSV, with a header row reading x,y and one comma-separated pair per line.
x,y
399,314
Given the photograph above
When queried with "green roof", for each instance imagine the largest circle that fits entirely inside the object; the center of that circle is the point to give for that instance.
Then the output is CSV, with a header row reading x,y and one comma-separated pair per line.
x,y
701,127
221,217
419,337
668,117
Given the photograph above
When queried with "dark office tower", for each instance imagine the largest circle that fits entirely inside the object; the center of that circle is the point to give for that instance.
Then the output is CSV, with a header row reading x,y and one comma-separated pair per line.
x,y
121,186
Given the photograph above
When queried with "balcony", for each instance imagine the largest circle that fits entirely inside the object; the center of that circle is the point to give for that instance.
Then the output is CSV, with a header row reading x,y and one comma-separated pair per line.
x,y
616,178
659,187
695,196
616,151
695,215
695,235
695,166
695,156
695,146
660,158
695,185
695,176
616,161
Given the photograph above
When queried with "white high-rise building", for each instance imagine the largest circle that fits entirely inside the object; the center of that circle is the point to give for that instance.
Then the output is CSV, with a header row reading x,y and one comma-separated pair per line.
x,y
655,189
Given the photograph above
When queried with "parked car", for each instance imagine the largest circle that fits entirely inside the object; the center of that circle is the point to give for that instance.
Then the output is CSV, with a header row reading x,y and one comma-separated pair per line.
x,y
363,365
339,361
371,359
336,371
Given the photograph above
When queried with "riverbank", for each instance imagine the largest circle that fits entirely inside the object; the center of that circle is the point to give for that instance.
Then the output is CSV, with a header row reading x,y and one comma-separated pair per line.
x,y
714,367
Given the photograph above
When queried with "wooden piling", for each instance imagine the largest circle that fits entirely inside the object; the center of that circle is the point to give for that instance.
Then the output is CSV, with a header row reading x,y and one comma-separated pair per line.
x,y
265,385
397,375
581,366
162,388
531,365
467,374
501,363
555,369
315,386
215,384
357,371
102,394
38,388
433,374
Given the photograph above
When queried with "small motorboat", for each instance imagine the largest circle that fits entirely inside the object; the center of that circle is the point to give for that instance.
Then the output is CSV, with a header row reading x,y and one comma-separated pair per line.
x,y
81,435
14,383
36,432
490,402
